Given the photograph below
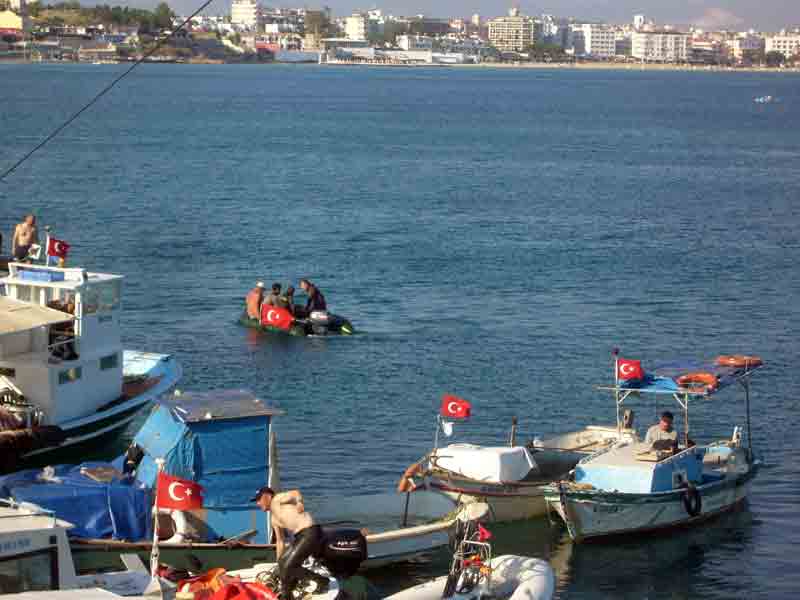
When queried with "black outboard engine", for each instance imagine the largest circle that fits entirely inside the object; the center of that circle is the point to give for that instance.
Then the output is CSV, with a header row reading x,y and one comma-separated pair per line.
x,y
343,552
320,322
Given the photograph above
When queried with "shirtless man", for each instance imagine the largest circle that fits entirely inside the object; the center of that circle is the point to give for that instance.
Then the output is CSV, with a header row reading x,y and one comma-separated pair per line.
x,y
25,235
253,301
289,514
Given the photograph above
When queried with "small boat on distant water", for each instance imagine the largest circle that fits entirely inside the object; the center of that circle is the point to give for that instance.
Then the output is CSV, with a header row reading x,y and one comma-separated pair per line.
x,y
765,99
279,320
65,380
634,487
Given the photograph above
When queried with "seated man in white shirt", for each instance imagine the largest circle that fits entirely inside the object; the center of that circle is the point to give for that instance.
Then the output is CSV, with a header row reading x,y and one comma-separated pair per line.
x,y
663,433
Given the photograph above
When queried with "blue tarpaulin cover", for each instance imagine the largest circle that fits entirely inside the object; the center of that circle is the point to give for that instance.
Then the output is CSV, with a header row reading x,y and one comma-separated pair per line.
x,y
119,509
661,379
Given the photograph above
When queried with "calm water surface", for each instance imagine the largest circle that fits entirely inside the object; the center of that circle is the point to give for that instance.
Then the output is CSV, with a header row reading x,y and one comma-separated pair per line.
x,y
492,233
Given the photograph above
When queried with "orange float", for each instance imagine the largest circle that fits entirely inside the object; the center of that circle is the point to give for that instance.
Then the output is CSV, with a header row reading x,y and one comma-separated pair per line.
x,y
739,361
699,381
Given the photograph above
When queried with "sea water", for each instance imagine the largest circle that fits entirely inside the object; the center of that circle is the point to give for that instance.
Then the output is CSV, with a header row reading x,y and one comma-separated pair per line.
x,y
490,233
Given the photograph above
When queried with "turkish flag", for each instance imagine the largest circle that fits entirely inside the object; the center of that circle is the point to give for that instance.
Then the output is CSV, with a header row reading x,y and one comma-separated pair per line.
x,y
275,316
483,533
181,494
629,369
455,407
57,248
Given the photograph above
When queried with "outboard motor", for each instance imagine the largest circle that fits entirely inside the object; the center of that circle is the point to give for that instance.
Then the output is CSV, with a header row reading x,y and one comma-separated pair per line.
x,y
343,552
320,322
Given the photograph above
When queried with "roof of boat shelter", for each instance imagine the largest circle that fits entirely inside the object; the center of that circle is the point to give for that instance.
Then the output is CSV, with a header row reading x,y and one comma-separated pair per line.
x,y
17,316
215,405
662,378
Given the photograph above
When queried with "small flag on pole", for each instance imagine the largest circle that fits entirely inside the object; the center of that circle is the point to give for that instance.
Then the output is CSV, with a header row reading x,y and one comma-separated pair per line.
x,y
455,407
177,493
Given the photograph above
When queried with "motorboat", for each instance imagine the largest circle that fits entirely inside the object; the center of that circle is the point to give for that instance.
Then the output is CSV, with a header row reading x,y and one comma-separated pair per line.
x,y
635,487
509,478
190,436
275,319
36,562
65,380
475,574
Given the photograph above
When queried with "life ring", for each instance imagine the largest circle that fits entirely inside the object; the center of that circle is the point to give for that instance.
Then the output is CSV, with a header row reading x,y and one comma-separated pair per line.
x,y
701,380
692,501
406,483
739,361
181,534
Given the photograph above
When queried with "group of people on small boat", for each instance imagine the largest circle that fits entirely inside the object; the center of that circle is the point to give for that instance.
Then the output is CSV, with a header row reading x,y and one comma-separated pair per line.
x,y
255,298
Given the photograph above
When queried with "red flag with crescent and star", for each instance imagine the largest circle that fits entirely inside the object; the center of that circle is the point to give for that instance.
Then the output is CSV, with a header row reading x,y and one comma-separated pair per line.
x,y
629,369
455,407
57,248
275,316
177,493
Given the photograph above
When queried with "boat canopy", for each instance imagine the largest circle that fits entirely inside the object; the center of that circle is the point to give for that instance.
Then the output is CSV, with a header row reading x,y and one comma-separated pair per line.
x,y
662,378
17,316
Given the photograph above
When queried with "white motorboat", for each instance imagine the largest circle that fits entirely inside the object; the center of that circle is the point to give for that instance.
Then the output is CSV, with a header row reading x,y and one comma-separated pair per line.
x,y
636,488
476,575
65,380
36,562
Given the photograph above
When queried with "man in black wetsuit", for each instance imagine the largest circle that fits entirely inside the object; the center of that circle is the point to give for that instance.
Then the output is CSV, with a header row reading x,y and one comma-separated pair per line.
x,y
316,301
288,514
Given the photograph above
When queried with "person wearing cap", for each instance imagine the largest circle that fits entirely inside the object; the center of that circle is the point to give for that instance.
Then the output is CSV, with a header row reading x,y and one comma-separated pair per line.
x,y
289,515
253,301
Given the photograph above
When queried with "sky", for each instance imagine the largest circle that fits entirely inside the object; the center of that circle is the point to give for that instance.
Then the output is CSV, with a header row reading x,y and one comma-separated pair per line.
x,y
710,14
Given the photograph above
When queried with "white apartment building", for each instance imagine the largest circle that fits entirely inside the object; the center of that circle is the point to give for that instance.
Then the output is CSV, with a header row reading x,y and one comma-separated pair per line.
x,y
660,46
245,13
786,44
595,40
356,26
511,34
415,42
745,44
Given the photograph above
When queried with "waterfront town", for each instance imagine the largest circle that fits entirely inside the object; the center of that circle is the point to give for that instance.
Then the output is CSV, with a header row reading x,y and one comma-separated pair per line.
x,y
252,32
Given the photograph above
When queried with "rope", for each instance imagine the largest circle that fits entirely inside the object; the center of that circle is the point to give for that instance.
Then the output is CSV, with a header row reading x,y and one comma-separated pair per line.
x,y
102,93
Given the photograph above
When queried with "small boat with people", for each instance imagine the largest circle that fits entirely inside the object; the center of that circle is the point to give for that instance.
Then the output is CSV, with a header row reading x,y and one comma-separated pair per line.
x,y
476,575
277,312
509,478
65,379
667,480
183,466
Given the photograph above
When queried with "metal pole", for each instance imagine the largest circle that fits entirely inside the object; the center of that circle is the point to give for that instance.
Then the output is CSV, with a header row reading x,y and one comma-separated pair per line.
x,y
512,441
686,420
747,407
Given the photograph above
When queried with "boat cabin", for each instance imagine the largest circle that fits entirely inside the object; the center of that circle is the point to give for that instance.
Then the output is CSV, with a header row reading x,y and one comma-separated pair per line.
x,y
34,552
60,346
635,468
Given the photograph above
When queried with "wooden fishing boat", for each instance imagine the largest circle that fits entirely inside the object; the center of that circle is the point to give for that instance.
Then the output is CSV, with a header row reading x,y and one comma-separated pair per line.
x,y
635,487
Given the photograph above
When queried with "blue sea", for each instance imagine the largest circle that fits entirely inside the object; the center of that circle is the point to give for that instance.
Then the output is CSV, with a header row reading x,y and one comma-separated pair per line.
x,y
492,233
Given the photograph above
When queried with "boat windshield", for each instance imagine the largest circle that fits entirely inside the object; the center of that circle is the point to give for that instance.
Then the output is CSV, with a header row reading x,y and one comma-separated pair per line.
x,y
33,571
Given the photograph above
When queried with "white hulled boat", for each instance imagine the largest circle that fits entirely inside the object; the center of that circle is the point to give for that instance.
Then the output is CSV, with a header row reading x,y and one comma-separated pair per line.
x,y
65,379
634,487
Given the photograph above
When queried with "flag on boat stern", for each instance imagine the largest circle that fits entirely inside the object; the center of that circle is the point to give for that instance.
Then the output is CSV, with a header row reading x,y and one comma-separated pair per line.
x,y
629,369
177,493
455,407
275,316
57,248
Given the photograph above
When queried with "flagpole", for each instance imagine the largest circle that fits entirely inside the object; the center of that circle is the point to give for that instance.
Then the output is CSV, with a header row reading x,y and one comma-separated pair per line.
x,y
47,245
436,435
615,352
154,555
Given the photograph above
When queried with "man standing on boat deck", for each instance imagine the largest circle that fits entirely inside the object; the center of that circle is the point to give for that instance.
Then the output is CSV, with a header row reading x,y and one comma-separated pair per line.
x,y
253,301
662,430
25,235
316,301
289,514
